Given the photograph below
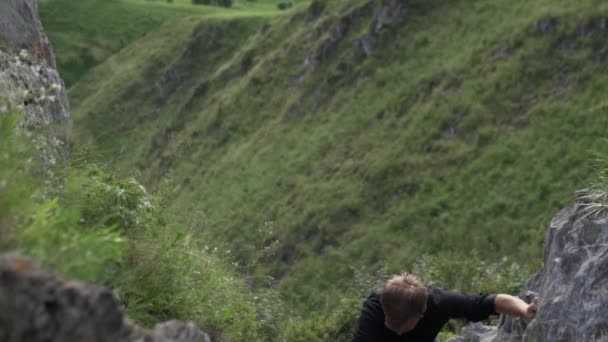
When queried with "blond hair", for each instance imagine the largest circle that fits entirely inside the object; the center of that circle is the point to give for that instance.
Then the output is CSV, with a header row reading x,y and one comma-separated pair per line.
x,y
402,297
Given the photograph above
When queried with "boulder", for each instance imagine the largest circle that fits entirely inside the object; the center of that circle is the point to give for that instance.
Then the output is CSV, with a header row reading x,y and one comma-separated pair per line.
x,y
40,306
572,285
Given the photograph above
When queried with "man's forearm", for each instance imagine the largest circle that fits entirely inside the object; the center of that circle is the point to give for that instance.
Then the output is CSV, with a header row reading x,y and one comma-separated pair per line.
x,y
509,305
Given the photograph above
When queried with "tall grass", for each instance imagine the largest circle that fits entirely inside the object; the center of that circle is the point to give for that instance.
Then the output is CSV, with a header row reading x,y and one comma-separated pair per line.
x,y
91,226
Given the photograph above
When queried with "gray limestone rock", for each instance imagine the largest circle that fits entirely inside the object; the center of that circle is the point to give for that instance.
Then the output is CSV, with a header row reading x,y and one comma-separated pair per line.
x,y
367,43
36,90
39,306
21,29
475,332
546,25
572,285
29,82
389,14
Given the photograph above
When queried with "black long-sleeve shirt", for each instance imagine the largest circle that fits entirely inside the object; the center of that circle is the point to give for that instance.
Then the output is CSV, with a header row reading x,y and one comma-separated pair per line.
x,y
441,306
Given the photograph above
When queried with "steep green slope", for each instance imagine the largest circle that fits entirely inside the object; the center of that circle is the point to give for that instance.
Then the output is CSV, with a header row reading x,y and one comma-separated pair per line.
x,y
358,134
86,32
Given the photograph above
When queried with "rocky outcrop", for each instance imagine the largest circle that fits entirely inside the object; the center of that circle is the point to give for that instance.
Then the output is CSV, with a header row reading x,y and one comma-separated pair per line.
x,y
40,306
21,29
572,285
384,15
29,82
389,14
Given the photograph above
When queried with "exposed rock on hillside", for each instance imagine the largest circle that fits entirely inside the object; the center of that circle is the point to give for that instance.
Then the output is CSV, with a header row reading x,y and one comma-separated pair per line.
x,y
29,81
389,14
379,18
39,306
572,285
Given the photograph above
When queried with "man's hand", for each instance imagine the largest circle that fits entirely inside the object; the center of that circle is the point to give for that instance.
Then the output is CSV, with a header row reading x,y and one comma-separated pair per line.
x,y
531,310
513,306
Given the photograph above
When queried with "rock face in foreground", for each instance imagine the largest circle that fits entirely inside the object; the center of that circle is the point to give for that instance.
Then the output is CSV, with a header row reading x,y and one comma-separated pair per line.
x,y
21,29
29,82
572,286
39,306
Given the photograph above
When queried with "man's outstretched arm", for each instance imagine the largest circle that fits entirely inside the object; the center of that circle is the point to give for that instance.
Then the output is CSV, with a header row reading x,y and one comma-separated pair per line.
x,y
513,306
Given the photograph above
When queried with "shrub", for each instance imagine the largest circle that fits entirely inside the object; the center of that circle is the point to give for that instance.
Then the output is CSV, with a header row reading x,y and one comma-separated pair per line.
x,y
223,3
37,222
284,5
17,183
55,239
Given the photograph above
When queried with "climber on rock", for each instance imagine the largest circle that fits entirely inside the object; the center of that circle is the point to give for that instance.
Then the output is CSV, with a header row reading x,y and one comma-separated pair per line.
x,y
407,310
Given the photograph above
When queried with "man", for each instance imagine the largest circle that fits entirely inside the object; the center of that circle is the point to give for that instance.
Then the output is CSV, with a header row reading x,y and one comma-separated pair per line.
x,y
407,311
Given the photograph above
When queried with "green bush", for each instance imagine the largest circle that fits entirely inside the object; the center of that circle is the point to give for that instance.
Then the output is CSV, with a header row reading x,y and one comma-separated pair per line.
x,y
17,183
55,239
166,273
35,221
284,5
223,3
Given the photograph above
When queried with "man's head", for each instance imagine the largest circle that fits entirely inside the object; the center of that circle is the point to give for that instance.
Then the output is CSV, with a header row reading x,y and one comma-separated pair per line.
x,y
403,300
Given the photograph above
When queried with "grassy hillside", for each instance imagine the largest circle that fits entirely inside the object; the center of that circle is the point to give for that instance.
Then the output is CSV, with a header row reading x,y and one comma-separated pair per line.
x,y
355,135
85,33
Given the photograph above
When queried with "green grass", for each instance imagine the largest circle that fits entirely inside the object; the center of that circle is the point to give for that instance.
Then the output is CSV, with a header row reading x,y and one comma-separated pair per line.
x,y
455,141
88,225
85,33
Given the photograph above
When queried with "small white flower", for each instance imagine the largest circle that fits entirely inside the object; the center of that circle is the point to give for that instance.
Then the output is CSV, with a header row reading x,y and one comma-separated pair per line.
x,y
146,205
121,195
